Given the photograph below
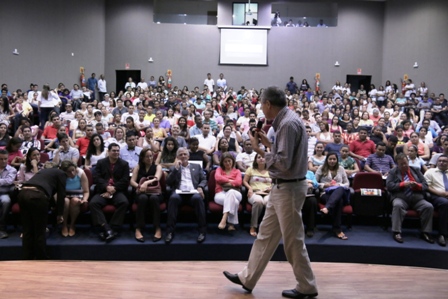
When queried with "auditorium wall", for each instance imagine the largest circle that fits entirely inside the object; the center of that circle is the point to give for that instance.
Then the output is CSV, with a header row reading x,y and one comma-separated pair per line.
x,y
383,39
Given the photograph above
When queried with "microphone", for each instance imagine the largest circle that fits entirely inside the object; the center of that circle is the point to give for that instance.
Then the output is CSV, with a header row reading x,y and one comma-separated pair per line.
x,y
259,125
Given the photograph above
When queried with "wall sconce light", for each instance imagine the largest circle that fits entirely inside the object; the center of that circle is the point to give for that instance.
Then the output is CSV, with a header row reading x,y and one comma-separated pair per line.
x,y
15,52
336,64
150,59
415,65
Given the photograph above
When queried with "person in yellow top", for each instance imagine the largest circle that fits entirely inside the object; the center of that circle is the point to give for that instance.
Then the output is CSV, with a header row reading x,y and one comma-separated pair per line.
x,y
149,115
258,184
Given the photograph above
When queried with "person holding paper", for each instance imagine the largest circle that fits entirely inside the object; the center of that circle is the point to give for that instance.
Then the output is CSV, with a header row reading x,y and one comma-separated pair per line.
x,y
187,182
333,180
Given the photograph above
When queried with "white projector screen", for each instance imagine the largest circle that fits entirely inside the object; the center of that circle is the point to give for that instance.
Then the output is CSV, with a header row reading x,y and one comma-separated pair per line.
x,y
244,46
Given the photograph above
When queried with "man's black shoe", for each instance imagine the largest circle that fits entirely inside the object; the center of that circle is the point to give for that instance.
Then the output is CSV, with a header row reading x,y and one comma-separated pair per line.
x,y
296,294
235,279
426,237
398,237
3,234
169,238
109,235
201,238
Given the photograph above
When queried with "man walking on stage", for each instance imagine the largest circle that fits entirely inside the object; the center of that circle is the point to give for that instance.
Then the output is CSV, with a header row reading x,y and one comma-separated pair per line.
x,y
287,165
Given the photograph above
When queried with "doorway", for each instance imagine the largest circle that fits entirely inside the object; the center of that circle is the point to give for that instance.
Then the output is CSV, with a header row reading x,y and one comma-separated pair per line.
x,y
122,78
356,81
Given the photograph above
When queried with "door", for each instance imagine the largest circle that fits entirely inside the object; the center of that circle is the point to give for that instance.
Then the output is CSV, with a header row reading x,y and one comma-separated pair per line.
x,y
122,77
355,82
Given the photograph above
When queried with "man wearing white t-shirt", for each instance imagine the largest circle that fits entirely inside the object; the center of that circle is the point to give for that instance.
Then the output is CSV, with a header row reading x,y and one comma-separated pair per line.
x,y
102,87
210,82
206,140
31,94
245,159
130,113
142,84
221,82
409,88
130,83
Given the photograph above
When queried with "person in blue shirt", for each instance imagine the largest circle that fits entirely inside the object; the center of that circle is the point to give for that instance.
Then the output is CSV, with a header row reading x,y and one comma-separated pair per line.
x,y
292,86
91,84
309,209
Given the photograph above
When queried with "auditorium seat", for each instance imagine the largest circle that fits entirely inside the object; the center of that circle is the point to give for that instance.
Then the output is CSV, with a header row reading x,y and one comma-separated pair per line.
x,y
369,205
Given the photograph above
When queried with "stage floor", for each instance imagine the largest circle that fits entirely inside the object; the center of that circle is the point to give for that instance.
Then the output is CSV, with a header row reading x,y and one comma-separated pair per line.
x,y
366,244
197,280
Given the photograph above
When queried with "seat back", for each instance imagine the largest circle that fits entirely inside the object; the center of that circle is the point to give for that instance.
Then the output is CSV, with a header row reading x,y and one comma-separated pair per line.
x,y
369,180
44,157
212,205
368,205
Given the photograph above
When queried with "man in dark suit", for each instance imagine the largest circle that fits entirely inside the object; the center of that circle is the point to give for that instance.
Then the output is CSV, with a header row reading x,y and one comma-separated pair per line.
x,y
406,186
112,181
186,177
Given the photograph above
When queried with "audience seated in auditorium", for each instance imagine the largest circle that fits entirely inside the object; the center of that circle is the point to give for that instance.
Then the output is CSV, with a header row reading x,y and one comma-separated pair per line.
x,y
240,111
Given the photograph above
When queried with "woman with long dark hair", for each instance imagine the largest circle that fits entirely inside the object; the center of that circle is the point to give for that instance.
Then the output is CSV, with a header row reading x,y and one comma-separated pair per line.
x,y
184,132
147,168
6,112
31,166
333,180
15,155
223,147
4,137
95,151
168,155
131,127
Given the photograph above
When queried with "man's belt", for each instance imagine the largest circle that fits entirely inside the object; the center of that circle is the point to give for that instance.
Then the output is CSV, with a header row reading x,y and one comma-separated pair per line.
x,y
280,181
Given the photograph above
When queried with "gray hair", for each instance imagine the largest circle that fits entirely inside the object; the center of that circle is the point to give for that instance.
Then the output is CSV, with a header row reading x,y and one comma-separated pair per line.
x,y
182,149
275,96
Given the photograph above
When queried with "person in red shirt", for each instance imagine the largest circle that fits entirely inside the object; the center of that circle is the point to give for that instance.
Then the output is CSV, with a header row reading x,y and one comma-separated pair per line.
x,y
83,143
360,149
50,132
